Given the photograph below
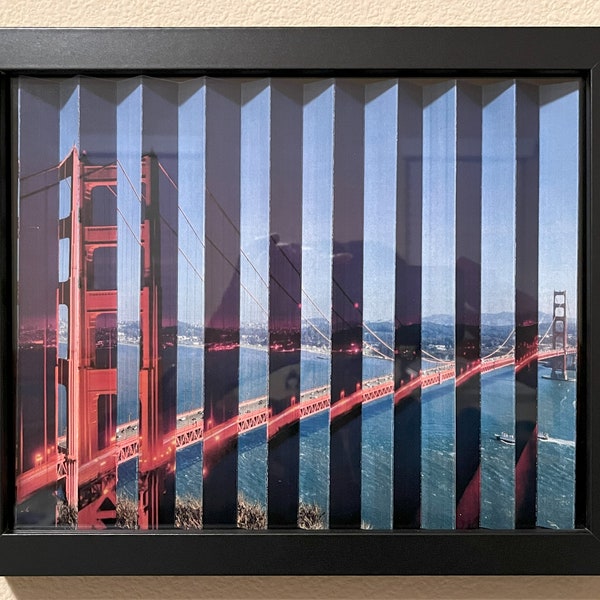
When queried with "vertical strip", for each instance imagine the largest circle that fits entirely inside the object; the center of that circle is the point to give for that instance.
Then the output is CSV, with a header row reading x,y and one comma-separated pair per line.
x,y
438,307
94,326
8,213
498,305
347,300
468,304
317,206
285,302
222,303
69,140
381,147
526,303
191,141
407,340
158,376
69,134
37,246
254,293
558,266
129,252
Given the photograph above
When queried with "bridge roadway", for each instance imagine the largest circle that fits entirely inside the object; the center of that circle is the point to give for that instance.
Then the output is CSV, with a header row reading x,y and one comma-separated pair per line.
x,y
254,413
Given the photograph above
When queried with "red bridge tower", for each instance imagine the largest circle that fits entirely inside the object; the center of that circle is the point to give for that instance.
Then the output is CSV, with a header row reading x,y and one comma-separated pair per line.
x,y
89,370
559,335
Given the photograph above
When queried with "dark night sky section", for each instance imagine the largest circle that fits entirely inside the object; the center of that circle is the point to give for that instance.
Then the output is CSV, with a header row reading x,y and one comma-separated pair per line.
x,y
468,300
38,269
407,413
526,304
285,258
98,121
159,139
347,298
222,300
38,247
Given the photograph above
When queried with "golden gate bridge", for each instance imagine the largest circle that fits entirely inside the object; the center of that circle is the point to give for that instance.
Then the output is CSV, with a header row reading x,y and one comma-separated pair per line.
x,y
87,463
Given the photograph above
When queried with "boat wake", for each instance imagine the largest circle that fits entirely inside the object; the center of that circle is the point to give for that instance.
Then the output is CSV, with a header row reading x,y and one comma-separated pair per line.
x,y
560,442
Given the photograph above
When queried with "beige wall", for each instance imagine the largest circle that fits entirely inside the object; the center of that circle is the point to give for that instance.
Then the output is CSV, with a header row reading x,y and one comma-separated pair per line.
x,y
115,13
191,13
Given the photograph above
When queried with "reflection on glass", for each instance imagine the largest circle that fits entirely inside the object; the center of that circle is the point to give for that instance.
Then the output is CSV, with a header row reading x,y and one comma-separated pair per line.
x,y
324,303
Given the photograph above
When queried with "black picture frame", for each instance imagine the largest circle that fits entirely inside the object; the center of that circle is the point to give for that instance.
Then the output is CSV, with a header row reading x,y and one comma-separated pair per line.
x,y
505,52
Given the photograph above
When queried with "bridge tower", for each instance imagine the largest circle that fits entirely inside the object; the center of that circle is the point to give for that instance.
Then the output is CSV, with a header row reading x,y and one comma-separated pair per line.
x,y
559,335
88,371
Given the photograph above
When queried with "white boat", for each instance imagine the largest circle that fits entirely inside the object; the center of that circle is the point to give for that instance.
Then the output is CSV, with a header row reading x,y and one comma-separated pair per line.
x,y
508,438
505,438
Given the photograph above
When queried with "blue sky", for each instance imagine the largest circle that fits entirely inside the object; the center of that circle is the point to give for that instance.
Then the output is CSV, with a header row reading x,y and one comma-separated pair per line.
x,y
255,155
381,159
559,185
559,191
439,203
498,199
317,198
191,197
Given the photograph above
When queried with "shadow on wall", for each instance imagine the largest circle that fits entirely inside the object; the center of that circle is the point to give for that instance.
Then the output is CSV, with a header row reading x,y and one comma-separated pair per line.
x,y
266,588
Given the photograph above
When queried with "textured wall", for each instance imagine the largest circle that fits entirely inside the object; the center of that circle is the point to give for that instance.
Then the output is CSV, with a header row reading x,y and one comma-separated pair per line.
x,y
114,13
189,13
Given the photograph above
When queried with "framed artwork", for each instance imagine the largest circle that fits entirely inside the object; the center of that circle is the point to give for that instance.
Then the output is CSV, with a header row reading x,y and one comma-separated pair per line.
x,y
299,301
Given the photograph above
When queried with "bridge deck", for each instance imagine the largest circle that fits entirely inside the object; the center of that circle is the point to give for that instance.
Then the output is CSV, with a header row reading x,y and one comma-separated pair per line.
x,y
255,413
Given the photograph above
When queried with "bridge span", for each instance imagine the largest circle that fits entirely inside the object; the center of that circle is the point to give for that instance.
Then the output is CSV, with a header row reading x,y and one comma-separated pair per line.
x,y
192,429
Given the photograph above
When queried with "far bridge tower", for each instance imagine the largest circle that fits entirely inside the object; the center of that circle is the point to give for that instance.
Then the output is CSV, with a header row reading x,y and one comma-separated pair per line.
x,y
559,335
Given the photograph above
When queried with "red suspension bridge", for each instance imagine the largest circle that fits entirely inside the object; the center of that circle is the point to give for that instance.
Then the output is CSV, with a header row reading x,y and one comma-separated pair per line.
x,y
86,459
253,414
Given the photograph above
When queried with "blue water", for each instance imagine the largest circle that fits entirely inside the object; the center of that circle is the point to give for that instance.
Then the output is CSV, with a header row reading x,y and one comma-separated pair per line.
x,y
254,364
190,377
497,459
377,463
437,457
556,457
252,465
314,460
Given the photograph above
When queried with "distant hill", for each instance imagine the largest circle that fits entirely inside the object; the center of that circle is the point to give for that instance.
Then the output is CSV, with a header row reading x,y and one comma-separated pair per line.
x,y
499,319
